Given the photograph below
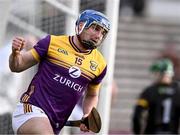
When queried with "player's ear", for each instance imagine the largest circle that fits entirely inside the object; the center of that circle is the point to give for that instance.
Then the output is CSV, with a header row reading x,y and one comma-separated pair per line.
x,y
81,26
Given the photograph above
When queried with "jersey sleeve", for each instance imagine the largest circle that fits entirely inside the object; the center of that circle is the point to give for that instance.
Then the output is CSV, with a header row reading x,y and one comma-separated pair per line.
x,y
99,78
96,83
41,48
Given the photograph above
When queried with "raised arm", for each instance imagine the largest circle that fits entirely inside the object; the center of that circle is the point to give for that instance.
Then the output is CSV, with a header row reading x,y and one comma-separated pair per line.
x,y
20,60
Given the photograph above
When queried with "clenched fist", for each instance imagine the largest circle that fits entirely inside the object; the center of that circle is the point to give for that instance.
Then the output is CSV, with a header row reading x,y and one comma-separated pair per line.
x,y
17,45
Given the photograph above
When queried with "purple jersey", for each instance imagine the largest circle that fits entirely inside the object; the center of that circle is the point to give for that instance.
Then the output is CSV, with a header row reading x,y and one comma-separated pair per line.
x,y
63,75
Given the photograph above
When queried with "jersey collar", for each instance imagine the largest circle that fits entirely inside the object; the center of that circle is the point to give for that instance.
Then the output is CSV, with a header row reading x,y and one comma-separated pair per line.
x,y
71,40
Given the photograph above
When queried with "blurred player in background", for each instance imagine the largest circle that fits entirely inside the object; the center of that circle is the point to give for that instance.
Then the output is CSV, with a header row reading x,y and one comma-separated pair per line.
x,y
68,66
158,108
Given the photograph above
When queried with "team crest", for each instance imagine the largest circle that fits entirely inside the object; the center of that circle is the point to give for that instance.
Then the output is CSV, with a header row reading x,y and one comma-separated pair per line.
x,y
93,65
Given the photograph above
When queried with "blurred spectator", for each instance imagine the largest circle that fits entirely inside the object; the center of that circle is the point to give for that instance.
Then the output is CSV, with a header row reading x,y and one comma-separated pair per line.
x,y
138,7
157,110
132,7
126,8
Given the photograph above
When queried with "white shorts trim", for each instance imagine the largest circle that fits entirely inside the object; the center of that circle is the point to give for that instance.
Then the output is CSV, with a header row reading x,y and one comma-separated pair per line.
x,y
23,113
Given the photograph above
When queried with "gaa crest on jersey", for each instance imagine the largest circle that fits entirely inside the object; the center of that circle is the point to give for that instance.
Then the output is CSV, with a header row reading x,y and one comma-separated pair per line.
x,y
93,65
74,72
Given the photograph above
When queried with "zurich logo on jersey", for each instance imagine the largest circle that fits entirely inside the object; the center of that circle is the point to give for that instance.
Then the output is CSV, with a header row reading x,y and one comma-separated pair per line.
x,y
75,72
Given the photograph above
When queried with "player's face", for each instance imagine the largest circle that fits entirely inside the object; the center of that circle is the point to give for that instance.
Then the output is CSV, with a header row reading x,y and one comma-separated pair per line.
x,y
166,78
94,33
163,78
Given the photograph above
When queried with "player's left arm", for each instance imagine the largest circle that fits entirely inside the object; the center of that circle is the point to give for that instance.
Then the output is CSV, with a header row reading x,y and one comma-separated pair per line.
x,y
90,101
92,93
90,98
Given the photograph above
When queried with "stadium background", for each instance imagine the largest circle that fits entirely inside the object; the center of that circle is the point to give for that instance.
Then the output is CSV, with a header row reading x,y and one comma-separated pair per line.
x,y
144,29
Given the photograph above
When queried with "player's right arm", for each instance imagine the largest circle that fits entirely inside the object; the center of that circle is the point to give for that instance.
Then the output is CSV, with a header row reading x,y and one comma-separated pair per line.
x,y
20,60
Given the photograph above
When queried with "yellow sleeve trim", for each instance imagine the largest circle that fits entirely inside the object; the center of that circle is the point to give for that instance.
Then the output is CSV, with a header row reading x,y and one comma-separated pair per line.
x,y
94,87
143,103
35,54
